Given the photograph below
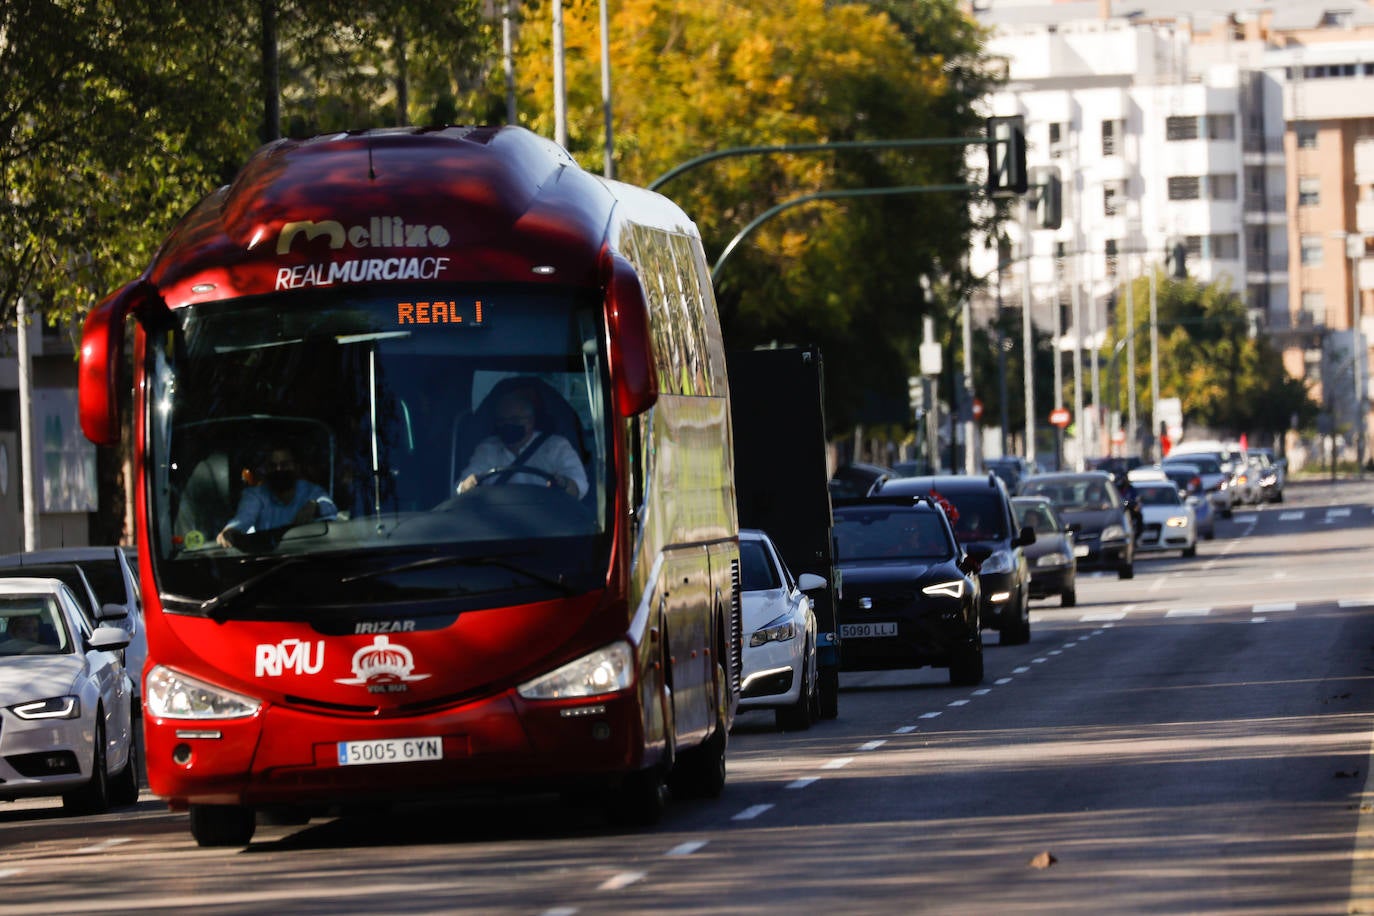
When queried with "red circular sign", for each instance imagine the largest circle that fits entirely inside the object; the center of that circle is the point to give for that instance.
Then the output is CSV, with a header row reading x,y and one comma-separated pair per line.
x,y
977,409
1059,416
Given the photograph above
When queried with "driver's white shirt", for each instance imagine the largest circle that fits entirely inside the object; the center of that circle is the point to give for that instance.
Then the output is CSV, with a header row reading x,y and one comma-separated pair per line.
x,y
554,455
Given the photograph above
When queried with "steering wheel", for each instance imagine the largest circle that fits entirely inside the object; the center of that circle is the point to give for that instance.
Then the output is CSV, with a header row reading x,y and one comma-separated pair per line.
x,y
517,469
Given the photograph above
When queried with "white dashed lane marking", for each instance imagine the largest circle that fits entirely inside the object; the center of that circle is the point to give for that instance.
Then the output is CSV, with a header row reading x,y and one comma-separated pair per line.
x,y
1188,612
624,879
1274,607
753,811
686,849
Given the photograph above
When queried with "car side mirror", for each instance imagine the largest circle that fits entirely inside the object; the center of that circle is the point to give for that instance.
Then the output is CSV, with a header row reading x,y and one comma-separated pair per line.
x,y
968,565
809,582
108,639
1026,537
113,612
978,553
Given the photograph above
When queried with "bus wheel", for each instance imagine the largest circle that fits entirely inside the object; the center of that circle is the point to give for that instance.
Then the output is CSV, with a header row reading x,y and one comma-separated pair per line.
x,y
700,771
640,800
222,825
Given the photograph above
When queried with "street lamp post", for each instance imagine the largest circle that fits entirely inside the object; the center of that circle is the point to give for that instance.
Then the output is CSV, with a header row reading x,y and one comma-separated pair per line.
x,y
1354,249
1027,338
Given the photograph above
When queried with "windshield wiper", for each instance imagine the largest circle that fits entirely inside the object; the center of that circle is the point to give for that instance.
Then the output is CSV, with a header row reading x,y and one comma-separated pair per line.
x,y
215,608
436,562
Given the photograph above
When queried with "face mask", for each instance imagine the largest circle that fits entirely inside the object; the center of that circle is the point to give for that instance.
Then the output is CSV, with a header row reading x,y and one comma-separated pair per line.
x,y
280,480
510,433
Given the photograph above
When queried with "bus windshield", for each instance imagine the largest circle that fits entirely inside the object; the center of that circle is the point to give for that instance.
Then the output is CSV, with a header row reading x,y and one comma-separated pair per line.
x,y
391,409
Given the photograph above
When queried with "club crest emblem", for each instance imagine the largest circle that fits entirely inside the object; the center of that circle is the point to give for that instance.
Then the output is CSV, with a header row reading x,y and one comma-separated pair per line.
x,y
383,667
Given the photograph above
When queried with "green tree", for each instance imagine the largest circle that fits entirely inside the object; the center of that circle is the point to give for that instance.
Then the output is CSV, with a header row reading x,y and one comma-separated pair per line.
x,y
1229,378
695,77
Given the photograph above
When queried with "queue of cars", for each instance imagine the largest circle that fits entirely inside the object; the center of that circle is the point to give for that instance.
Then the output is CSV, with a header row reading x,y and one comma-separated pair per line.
x,y
914,593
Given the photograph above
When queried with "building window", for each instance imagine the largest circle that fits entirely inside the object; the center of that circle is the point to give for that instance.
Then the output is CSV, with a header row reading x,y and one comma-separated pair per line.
x,y
1307,137
1221,187
1313,310
1193,245
1226,247
1113,137
1059,139
1337,19
1221,127
1185,187
1310,251
1110,248
1181,127
1309,191
1113,197
1257,247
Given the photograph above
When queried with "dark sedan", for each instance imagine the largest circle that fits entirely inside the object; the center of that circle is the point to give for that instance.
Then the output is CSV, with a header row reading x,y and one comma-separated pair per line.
x,y
1101,523
909,598
1054,569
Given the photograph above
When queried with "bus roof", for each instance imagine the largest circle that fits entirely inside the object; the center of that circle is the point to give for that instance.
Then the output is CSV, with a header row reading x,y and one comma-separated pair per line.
x,y
495,204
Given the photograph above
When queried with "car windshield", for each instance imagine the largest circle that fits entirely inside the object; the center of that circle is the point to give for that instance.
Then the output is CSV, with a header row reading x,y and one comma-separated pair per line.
x,y
890,534
756,568
381,401
1082,494
1038,515
1158,496
32,625
1205,464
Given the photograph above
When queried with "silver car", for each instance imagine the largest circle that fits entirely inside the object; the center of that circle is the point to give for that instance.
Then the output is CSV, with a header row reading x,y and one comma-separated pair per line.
x,y
66,701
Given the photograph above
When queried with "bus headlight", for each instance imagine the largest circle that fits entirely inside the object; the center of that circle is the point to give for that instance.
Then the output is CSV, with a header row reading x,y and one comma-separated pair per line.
x,y
172,695
606,670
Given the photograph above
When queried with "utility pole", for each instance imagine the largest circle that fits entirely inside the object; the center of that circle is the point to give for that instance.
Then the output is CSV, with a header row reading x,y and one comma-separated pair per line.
x,y
26,449
609,168
1131,429
560,92
1027,337
1074,294
1154,355
508,55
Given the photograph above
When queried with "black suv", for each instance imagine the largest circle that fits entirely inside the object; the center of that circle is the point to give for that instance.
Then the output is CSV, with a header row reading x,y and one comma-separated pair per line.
x,y
985,524
909,597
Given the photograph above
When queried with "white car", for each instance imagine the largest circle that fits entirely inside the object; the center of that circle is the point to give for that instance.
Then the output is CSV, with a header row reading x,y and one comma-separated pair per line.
x,y
66,701
779,635
1166,521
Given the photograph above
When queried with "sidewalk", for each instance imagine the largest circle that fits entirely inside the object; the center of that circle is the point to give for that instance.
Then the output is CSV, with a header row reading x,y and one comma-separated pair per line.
x,y
1314,489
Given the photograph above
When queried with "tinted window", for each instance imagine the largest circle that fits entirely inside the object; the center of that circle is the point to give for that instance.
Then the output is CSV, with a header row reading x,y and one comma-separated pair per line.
x,y
756,568
1080,494
1039,516
883,534
982,515
1158,496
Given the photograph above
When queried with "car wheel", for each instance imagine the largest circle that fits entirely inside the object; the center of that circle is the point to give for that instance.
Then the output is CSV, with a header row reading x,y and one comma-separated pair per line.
x,y
94,796
1226,513
124,787
797,717
222,825
1068,597
1190,551
1210,534
1017,633
1278,497
1126,570
966,669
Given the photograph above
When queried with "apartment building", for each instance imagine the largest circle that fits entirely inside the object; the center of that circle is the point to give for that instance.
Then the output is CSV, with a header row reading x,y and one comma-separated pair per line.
x,y
1242,131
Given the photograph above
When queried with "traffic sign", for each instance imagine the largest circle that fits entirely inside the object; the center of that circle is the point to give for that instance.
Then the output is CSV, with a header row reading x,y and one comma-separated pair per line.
x,y
1059,417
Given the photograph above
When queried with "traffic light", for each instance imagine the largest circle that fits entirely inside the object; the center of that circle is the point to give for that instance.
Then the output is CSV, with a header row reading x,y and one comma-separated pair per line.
x,y
1007,156
1049,204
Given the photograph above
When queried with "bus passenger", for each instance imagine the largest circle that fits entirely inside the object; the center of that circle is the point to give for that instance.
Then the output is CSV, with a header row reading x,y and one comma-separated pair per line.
x,y
282,500
518,444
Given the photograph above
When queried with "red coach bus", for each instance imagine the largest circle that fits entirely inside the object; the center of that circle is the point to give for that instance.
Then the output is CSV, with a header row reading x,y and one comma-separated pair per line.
x,y
363,320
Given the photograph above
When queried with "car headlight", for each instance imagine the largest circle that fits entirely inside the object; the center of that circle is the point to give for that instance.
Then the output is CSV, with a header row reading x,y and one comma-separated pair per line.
x,y
51,708
606,670
1269,480
952,589
172,695
1052,559
1177,521
779,629
998,562
1113,533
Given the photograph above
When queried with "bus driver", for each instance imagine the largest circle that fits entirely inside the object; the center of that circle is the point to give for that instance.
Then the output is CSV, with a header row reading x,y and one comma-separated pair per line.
x,y
518,444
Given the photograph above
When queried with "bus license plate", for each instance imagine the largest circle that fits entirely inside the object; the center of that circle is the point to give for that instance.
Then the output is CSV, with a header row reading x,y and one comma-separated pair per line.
x,y
862,630
390,750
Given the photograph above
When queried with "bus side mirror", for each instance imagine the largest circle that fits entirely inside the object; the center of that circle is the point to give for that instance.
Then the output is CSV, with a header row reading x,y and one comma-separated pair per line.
x,y
102,350
633,373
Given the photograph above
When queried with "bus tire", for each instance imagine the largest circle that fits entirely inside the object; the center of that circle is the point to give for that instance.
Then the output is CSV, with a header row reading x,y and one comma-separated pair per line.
x,y
222,825
640,800
700,771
